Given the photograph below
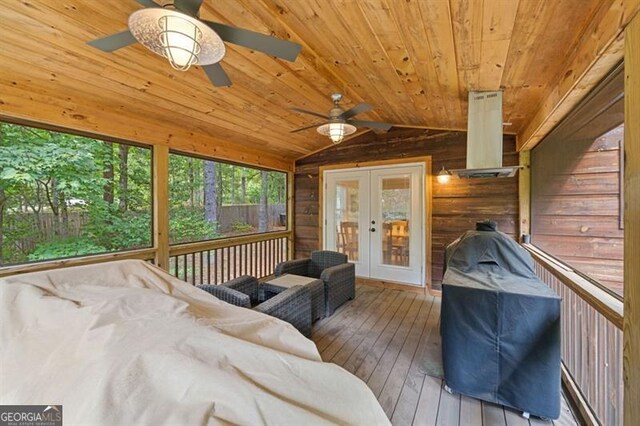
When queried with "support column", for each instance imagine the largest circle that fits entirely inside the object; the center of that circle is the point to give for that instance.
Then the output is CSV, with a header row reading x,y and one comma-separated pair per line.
x,y
631,353
290,213
524,193
161,205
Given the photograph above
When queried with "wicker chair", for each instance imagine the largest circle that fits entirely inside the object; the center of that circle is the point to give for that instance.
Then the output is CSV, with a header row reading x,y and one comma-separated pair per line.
x,y
292,305
332,268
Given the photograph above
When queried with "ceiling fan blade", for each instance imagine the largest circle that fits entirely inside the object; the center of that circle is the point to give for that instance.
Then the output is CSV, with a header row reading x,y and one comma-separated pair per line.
x,y
304,111
270,45
148,3
190,7
371,124
216,74
113,41
360,108
305,128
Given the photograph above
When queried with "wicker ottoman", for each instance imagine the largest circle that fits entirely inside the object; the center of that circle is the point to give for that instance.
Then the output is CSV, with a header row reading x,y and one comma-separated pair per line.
x,y
283,282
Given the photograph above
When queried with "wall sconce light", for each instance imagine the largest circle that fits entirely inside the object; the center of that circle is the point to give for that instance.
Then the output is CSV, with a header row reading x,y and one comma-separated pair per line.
x,y
443,176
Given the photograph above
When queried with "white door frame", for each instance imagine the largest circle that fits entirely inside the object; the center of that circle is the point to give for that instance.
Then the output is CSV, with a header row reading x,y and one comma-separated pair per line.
x,y
425,162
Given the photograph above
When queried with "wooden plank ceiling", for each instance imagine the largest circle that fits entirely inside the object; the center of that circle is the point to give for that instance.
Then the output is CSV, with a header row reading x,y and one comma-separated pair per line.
x,y
413,60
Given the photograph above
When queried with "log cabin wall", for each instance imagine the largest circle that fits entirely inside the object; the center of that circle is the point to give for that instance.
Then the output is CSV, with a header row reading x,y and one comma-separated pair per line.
x,y
576,189
576,207
457,205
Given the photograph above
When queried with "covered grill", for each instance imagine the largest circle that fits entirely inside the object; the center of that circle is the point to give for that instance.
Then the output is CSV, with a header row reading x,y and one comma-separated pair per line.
x,y
500,325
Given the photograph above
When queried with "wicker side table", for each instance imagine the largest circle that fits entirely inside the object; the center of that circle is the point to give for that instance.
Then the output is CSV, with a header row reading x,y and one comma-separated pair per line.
x,y
283,282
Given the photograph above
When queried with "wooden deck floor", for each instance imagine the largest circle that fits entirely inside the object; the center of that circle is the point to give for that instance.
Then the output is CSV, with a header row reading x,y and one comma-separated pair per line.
x,y
383,336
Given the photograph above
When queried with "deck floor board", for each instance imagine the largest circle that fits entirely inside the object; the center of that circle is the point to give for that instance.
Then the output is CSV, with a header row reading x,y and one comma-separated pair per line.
x,y
383,336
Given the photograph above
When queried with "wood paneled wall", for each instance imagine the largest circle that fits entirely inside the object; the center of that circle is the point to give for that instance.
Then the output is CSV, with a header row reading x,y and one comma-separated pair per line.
x,y
456,205
576,205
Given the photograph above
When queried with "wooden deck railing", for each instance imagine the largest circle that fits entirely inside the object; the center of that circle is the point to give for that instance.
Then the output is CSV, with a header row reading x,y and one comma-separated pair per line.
x,y
591,326
217,261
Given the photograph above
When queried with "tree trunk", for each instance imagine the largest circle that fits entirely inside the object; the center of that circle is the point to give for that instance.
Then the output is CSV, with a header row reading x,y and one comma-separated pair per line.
x,y
192,189
123,154
64,216
243,183
54,201
107,174
263,214
219,185
243,195
210,193
233,185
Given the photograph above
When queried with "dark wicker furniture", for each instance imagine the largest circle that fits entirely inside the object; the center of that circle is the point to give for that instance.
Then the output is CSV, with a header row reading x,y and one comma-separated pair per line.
x,y
332,268
292,305
286,281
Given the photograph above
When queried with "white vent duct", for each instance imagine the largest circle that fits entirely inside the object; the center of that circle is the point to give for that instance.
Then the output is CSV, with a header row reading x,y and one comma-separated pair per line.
x,y
484,138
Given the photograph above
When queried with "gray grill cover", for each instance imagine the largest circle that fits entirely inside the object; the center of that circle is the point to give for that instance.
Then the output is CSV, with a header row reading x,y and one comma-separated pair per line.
x,y
500,325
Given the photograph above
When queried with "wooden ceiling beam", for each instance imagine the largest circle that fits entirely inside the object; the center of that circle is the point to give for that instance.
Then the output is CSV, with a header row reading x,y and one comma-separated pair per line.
x,y
498,20
599,50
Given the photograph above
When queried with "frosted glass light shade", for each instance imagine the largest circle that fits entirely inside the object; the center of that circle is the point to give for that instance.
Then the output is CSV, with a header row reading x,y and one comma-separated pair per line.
x,y
182,39
443,176
336,131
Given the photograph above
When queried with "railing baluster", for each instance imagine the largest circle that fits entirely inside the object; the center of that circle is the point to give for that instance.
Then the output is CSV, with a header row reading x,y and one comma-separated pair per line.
x,y
175,266
216,265
591,350
265,272
225,262
228,266
193,268
235,262
254,261
208,266
259,259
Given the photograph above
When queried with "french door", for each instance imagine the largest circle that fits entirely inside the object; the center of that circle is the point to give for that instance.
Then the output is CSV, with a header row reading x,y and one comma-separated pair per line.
x,y
376,217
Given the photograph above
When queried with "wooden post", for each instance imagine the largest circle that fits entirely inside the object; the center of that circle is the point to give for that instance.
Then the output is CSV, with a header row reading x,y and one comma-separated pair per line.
x,y
290,213
161,205
524,193
631,368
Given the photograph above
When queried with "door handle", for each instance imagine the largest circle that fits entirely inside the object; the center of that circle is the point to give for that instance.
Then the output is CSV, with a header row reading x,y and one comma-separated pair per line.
x,y
372,229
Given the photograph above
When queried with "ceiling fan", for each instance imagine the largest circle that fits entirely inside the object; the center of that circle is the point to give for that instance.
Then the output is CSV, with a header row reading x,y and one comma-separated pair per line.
x,y
340,122
175,31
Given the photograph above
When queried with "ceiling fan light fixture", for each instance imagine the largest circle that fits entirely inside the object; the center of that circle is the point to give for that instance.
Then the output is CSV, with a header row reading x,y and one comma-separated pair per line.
x,y
181,41
180,38
336,131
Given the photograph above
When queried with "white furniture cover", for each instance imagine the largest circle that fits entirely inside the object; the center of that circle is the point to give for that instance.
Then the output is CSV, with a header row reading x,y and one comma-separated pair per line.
x,y
126,343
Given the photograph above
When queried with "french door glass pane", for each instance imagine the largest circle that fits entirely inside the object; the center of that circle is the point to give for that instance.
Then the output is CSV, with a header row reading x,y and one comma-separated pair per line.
x,y
347,216
396,208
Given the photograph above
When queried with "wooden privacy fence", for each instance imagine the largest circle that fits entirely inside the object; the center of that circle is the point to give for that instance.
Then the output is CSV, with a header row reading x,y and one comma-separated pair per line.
x,y
249,214
217,261
591,328
45,226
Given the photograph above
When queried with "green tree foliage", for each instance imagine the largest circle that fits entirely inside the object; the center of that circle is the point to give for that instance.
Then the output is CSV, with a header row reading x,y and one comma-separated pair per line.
x,y
234,186
52,187
63,195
